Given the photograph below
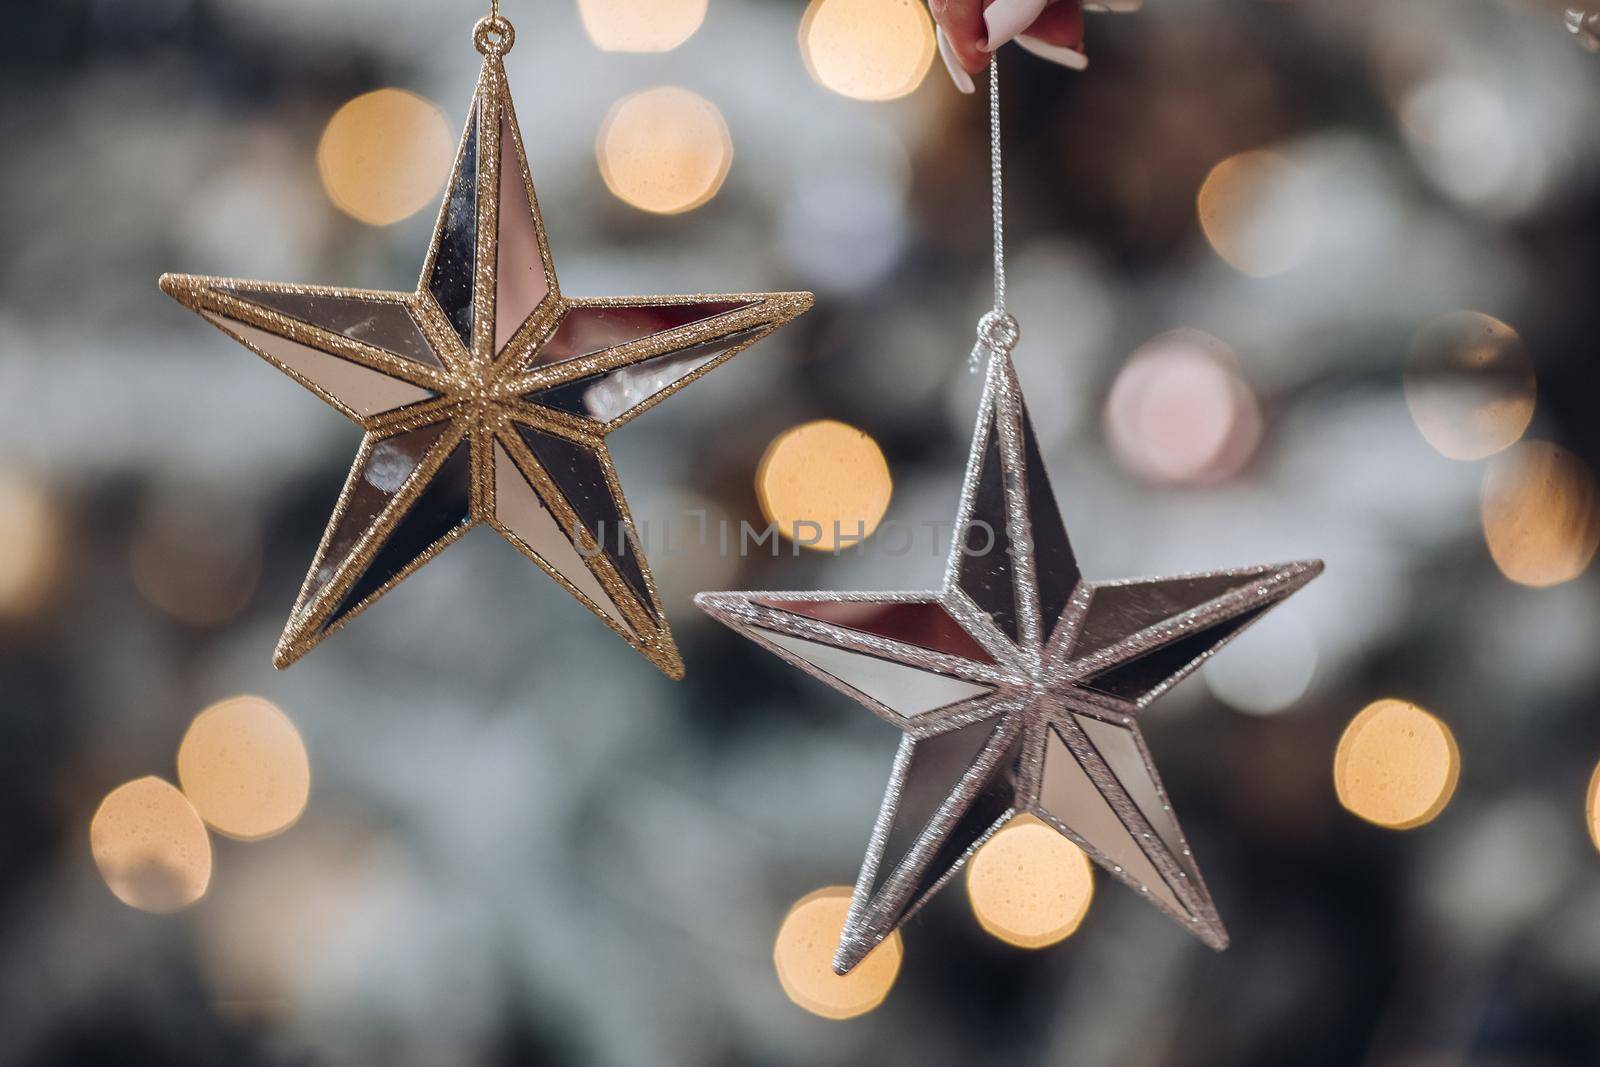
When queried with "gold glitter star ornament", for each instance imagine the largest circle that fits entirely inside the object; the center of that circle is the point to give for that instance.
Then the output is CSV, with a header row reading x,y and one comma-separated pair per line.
x,y
487,394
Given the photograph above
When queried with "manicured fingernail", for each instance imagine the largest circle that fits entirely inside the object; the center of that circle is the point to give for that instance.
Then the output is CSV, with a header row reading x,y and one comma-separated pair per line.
x,y
1115,7
1055,53
958,73
1007,18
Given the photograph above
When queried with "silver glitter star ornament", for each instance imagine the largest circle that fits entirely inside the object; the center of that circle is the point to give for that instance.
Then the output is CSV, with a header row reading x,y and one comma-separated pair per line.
x,y
1019,687
486,395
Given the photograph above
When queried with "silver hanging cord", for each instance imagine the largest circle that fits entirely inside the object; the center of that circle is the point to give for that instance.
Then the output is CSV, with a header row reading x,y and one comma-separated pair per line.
x,y
997,330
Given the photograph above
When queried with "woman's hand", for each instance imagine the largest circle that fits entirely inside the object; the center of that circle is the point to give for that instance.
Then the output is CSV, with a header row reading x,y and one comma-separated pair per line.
x,y
969,30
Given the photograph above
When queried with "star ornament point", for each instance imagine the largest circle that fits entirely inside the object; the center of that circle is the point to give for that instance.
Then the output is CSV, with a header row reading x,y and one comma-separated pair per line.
x,y
486,395
1018,687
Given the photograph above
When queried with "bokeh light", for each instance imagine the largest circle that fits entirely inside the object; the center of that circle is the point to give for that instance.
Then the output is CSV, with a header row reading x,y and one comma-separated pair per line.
x,y
1180,413
867,49
243,766
385,155
1462,127
198,563
151,847
665,150
30,545
1396,765
641,25
1541,513
803,957
1592,807
824,485
1267,668
1470,385
1029,886
1256,214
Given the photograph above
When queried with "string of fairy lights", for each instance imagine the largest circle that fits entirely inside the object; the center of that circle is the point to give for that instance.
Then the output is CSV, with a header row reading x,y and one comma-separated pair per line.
x,y
1181,412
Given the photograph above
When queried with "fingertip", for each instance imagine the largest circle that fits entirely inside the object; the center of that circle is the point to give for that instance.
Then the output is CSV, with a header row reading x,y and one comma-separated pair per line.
x,y
1071,58
1003,20
962,25
952,64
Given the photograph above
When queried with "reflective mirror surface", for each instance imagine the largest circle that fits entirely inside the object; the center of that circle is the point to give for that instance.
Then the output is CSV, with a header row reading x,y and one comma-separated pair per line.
x,y
456,243
1135,679
518,507
443,507
935,762
590,328
1120,610
925,624
985,567
1055,567
907,690
361,389
520,281
580,474
374,482
382,324
1120,750
1069,795
611,394
992,806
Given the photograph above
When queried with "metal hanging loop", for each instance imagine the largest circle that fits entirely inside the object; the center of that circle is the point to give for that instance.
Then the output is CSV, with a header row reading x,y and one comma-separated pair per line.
x,y
998,332
494,35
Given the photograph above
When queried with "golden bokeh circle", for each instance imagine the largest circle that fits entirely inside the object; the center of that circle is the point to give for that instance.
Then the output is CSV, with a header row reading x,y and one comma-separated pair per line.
x,y
640,25
803,956
824,485
244,767
867,49
1470,384
151,847
31,536
1540,508
385,155
1396,765
1592,807
1239,207
664,150
1028,885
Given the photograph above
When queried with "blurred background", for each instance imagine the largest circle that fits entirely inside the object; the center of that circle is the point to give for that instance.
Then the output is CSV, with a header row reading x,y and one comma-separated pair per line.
x,y
1294,280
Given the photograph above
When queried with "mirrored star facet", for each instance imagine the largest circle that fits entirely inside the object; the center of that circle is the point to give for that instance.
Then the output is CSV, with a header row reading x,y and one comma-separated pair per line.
x,y
1018,688
486,395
